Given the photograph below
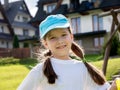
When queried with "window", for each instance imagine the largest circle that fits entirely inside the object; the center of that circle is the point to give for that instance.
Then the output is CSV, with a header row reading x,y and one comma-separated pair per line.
x,y
100,23
25,32
95,0
2,42
101,41
25,19
7,44
22,7
76,25
2,29
97,23
18,17
74,4
79,42
51,7
98,42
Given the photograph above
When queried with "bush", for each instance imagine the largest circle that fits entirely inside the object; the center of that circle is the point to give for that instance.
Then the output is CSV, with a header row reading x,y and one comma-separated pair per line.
x,y
114,46
25,45
28,61
118,51
9,60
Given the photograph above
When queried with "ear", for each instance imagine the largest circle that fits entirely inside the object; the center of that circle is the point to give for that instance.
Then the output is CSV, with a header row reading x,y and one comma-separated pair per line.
x,y
45,44
72,37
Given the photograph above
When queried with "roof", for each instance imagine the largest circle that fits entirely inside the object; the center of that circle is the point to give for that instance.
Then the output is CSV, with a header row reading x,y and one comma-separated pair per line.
x,y
47,1
5,36
14,8
88,34
3,21
81,8
110,3
23,25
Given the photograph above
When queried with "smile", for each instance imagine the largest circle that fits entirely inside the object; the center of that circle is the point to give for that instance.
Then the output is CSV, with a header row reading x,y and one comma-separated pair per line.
x,y
61,47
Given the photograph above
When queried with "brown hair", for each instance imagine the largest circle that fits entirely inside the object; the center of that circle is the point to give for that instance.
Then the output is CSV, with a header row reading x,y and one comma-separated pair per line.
x,y
95,74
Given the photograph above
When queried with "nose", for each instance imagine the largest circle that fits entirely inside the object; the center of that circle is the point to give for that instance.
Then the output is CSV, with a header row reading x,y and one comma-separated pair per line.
x,y
60,40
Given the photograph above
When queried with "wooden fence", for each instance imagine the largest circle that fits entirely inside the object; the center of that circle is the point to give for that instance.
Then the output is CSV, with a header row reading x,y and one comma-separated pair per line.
x,y
16,53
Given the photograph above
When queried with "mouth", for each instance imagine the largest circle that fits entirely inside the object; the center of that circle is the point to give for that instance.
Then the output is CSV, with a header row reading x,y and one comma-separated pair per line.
x,y
61,47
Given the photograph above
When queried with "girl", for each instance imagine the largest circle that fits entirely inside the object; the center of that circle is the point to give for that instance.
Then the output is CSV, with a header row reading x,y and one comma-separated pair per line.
x,y
59,71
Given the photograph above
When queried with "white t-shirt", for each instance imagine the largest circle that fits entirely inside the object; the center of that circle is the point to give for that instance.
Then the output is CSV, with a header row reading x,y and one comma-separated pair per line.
x,y
72,75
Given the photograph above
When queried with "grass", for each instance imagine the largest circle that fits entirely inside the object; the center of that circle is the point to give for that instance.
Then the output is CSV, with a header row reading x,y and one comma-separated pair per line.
x,y
113,67
92,58
11,75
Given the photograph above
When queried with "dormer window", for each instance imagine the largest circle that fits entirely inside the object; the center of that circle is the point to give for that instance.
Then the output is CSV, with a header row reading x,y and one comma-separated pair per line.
x,y
22,7
25,19
51,7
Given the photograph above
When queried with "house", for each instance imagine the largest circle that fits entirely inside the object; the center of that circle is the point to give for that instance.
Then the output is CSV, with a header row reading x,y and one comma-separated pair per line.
x,y
89,29
6,31
14,19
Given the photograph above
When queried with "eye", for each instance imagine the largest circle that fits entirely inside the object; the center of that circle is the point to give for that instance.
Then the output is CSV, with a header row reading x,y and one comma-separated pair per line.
x,y
64,34
52,38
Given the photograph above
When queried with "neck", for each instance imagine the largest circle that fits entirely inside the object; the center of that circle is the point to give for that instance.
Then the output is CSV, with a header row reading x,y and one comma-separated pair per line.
x,y
62,57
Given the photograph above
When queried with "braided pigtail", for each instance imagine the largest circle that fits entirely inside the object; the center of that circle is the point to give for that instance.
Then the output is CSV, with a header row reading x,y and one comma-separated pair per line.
x,y
48,69
77,50
95,74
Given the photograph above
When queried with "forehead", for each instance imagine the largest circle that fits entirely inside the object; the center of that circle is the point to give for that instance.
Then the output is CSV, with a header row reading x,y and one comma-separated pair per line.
x,y
58,30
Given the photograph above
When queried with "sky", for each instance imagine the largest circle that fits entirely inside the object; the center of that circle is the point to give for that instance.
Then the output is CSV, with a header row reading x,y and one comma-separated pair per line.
x,y
31,5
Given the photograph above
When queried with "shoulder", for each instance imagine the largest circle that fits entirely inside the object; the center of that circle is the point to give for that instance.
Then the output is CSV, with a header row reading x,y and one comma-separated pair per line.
x,y
80,65
37,69
79,62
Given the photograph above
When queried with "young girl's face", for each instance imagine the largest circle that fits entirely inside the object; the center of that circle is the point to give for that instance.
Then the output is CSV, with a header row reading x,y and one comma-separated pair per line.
x,y
59,41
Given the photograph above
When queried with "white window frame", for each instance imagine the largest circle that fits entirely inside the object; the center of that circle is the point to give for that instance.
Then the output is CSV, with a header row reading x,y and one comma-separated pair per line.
x,y
76,25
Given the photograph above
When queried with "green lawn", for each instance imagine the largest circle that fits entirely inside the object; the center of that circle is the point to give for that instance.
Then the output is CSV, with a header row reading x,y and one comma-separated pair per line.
x,y
12,75
113,67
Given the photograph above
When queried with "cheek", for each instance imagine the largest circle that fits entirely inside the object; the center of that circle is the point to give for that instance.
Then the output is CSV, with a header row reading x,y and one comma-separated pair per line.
x,y
69,39
50,44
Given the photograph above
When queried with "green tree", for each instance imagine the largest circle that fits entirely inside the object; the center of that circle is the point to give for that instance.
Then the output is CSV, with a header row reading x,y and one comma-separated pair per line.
x,y
15,42
115,45
25,45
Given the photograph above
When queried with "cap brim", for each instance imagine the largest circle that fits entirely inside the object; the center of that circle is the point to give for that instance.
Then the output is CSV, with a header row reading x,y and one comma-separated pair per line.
x,y
54,26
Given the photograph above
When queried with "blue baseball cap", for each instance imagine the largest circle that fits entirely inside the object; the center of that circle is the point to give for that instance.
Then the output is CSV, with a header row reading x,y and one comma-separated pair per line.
x,y
53,22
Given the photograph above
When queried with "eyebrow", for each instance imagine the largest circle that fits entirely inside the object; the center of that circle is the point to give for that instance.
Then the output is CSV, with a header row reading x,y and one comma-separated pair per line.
x,y
50,34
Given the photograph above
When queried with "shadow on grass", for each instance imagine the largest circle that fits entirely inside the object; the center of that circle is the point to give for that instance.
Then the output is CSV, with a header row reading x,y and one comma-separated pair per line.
x,y
94,57
28,62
